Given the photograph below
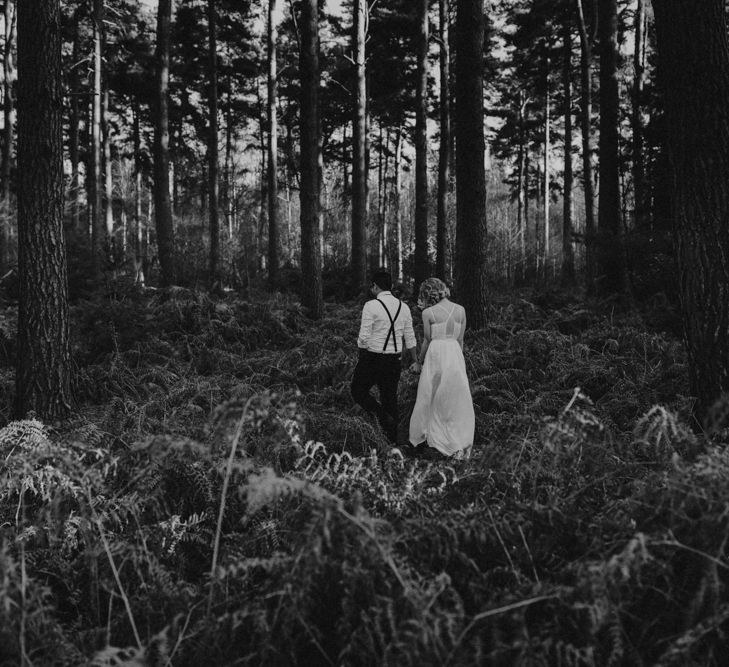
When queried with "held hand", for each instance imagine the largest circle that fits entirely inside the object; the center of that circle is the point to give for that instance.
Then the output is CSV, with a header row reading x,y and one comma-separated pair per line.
x,y
415,367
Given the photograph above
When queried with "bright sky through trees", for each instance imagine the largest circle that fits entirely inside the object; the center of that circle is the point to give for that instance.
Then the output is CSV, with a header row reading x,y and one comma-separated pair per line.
x,y
333,6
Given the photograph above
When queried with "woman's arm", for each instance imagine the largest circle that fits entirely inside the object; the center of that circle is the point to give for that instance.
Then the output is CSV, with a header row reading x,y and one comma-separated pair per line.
x,y
463,328
426,335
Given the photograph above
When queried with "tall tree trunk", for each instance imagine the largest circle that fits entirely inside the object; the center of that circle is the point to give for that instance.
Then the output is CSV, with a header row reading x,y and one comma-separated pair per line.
x,y
547,148
385,203
9,118
397,186
273,223
521,192
124,232
538,220
568,255
421,265
228,168
345,166
444,150
381,172
44,357
262,262
530,249
172,178
213,173
146,242
610,255
693,69
162,205
360,147
311,288
639,194
95,189
109,239
292,176
73,127
470,261
586,38
139,260
322,191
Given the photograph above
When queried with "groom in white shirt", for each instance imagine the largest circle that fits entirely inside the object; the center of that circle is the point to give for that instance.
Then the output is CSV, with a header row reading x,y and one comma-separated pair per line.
x,y
386,323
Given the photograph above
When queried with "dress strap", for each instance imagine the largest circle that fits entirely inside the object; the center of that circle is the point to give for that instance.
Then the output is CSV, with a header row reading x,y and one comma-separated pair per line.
x,y
449,313
392,319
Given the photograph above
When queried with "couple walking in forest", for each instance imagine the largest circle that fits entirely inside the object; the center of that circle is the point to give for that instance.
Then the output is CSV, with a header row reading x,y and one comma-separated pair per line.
x,y
443,417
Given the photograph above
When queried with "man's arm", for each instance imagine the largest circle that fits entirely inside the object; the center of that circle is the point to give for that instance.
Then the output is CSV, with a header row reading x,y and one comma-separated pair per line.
x,y
365,328
411,343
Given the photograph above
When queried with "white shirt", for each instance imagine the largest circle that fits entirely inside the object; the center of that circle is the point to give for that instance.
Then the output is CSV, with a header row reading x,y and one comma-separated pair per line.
x,y
376,325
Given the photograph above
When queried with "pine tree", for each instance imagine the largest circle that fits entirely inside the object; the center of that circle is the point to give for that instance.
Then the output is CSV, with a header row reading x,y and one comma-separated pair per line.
x,y
162,203
470,261
693,68
43,360
311,287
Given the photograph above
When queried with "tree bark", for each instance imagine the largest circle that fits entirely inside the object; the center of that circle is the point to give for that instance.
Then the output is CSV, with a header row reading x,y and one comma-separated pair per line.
x,y
397,186
610,255
470,274
538,219
568,255
9,118
257,234
273,223
529,243
311,288
109,240
444,150
228,167
360,147
521,193
421,267
73,127
44,358
386,233
139,259
586,38
162,205
213,171
639,196
95,169
693,69
381,175
547,148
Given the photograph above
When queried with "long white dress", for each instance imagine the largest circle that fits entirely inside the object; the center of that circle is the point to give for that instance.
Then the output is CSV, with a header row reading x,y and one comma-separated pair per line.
x,y
443,414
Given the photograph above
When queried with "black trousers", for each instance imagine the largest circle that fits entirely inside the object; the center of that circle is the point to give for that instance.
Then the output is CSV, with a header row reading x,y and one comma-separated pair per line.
x,y
382,370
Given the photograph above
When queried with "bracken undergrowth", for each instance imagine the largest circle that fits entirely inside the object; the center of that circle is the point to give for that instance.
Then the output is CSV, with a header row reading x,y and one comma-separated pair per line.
x,y
217,499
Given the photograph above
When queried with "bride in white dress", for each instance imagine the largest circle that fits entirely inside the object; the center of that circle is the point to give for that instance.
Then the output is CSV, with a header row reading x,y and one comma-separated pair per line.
x,y
443,415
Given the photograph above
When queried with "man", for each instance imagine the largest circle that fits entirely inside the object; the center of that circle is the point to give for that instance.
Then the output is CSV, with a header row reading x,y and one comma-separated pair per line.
x,y
386,323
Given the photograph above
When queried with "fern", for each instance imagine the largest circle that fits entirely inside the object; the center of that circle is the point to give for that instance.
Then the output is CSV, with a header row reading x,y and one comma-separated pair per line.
x,y
692,646
37,471
658,434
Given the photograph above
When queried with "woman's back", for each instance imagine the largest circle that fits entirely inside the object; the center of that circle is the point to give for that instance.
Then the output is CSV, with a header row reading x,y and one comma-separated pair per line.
x,y
447,320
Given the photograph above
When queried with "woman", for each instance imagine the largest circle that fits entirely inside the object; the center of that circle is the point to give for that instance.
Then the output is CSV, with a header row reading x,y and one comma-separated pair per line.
x,y
443,414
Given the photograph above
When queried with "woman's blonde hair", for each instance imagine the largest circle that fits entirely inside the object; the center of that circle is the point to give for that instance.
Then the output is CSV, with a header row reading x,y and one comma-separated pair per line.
x,y
432,290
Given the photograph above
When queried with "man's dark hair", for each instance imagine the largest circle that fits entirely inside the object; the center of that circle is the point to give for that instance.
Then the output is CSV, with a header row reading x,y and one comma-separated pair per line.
x,y
382,279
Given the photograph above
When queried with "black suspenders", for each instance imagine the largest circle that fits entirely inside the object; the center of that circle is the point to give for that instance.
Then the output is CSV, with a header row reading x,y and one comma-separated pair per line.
x,y
391,332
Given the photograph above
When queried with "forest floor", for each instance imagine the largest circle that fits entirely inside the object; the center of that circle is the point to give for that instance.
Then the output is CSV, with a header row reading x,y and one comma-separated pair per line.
x,y
217,498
